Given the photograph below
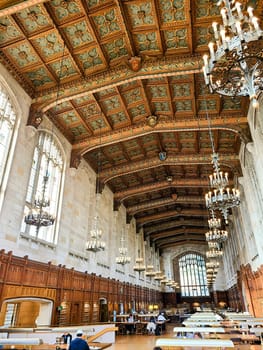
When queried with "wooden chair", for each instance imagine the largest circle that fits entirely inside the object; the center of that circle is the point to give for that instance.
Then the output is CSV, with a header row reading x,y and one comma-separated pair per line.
x,y
122,329
139,328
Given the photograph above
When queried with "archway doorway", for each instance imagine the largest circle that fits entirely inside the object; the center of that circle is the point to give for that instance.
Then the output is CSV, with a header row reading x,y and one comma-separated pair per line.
x,y
104,310
26,312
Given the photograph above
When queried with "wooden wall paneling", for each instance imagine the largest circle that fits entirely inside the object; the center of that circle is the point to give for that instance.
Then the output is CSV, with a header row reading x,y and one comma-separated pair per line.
x,y
86,317
64,314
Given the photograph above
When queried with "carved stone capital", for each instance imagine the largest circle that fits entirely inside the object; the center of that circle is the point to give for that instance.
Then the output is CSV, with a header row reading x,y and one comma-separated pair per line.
x,y
75,160
35,117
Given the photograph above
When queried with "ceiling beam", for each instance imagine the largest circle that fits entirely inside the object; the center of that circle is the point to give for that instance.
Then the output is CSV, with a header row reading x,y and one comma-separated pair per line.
x,y
171,213
229,160
162,202
232,123
157,186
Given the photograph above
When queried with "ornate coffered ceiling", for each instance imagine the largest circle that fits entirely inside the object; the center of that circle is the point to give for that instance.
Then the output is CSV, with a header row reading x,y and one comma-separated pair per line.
x,y
125,77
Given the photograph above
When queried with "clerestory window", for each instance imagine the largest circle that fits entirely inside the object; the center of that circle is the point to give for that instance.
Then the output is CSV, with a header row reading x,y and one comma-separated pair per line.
x,y
44,187
193,280
8,122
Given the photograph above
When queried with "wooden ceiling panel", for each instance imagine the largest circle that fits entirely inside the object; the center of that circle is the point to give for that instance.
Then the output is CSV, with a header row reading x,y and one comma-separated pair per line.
x,y
99,69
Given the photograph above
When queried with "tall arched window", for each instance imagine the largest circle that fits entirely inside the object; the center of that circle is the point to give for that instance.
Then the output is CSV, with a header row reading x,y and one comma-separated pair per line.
x,y
193,275
7,128
47,162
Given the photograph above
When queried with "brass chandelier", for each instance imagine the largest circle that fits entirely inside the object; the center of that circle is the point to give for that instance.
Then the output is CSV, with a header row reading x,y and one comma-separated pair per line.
x,y
235,64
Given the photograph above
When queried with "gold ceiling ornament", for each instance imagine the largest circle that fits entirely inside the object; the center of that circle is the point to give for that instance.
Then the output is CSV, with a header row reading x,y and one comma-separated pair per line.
x,y
152,120
235,65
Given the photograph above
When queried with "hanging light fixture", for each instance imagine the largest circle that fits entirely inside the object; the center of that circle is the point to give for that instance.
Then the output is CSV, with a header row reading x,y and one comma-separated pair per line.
x,y
215,234
139,261
95,243
235,65
212,263
158,275
139,265
149,271
123,258
39,214
220,198
214,253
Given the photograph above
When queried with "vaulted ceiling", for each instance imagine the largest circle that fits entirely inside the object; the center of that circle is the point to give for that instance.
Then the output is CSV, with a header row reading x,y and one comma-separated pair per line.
x,y
122,80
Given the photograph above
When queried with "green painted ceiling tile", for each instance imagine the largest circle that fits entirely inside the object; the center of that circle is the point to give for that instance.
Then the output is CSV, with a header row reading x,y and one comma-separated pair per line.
x,y
79,130
94,3
97,124
119,158
23,54
182,106
158,91
150,148
9,31
65,9
117,118
106,92
206,8
132,96
112,103
116,49
172,11
161,106
39,77
34,19
114,148
50,45
203,35
148,138
231,103
69,117
176,39
147,42
64,69
182,90
186,135
81,100
78,34
90,59
107,23
61,107
141,14
139,110
210,104
89,110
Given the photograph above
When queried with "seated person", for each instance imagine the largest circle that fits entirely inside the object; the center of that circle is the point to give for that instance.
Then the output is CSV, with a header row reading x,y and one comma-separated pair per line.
x,y
130,327
151,326
67,337
161,318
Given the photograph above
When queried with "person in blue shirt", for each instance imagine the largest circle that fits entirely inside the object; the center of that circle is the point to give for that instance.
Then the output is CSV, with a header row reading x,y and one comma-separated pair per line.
x,y
78,343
